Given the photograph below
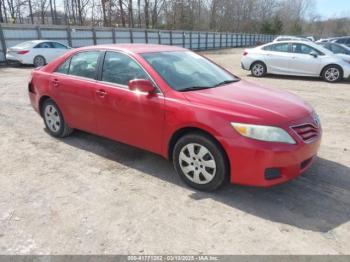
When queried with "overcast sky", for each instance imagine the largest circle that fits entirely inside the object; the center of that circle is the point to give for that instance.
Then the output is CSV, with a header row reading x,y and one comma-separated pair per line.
x,y
331,8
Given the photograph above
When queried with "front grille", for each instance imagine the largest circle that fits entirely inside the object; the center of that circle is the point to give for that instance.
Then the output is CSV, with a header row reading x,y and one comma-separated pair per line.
x,y
307,132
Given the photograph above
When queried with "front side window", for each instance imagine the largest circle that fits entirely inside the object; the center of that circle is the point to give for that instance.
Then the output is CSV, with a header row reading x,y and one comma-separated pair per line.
x,y
58,45
303,49
185,70
84,64
119,69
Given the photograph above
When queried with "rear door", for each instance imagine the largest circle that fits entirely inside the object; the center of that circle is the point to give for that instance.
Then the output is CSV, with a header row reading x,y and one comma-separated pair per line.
x,y
73,86
277,58
124,115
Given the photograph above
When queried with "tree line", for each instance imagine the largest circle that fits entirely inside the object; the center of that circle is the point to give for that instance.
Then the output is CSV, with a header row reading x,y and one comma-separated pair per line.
x,y
295,17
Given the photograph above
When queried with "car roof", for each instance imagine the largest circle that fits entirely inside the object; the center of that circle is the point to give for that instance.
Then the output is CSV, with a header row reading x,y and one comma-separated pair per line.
x,y
310,43
135,48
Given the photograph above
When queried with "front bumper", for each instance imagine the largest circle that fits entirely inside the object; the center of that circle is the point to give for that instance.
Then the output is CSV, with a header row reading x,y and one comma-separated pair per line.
x,y
250,159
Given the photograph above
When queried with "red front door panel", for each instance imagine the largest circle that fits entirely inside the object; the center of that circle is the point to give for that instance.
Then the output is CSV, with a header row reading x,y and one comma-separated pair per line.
x,y
130,117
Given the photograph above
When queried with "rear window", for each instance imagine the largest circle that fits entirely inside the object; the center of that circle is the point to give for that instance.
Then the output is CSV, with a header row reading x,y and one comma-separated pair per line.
x,y
25,45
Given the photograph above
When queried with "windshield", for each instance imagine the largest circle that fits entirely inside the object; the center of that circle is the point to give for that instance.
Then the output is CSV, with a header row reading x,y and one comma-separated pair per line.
x,y
185,71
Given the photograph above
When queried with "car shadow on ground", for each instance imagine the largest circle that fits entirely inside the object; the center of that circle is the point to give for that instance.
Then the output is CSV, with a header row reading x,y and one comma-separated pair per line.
x,y
319,200
303,78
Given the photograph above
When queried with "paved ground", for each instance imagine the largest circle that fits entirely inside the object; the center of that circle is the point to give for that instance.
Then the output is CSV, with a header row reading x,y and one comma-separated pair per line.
x,y
86,194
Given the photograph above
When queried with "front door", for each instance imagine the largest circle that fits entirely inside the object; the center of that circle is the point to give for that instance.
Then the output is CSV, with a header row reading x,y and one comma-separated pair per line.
x,y
124,115
303,62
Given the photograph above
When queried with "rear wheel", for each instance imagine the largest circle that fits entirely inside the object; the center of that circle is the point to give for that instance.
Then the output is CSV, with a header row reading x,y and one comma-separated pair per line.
x,y
332,73
54,120
200,162
258,69
39,61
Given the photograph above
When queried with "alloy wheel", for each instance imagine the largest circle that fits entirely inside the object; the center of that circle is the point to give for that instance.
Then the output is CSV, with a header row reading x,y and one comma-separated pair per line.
x,y
52,118
39,61
332,74
258,69
197,163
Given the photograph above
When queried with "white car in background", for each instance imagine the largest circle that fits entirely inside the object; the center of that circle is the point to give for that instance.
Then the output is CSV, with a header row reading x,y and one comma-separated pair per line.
x,y
342,51
290,38
295,58
36,52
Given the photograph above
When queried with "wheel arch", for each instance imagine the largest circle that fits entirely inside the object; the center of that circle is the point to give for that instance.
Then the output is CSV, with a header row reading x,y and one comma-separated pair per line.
x,y
41,103
257,61
190,129
332,64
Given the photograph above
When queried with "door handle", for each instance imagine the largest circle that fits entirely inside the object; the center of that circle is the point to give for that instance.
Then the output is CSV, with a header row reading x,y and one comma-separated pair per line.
x,y
55,82
101,92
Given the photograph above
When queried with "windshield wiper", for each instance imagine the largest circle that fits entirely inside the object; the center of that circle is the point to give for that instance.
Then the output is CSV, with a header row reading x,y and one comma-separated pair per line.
x,y
226,82
192,88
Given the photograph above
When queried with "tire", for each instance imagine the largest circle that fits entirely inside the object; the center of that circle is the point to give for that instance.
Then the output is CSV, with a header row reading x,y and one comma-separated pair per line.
x,y
206,172
332,73
39,61
258,69
54,121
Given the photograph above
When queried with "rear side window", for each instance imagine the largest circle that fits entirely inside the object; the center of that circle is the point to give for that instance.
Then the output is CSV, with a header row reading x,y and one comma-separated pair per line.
x,y
44,45
119,69
278,47
84,64
63,68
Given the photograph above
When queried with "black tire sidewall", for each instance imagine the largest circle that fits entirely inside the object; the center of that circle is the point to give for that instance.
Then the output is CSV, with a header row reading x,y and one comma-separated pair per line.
x,y
332,66
222,169
60,132
260,63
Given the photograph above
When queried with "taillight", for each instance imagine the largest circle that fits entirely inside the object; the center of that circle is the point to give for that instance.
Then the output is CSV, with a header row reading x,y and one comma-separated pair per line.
x,y
245,52
23,52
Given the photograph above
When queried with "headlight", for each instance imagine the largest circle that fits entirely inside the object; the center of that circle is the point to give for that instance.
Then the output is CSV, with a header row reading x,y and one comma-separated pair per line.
x,y
263,133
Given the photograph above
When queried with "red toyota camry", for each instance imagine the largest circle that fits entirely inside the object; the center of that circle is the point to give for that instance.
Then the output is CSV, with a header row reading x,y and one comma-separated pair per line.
x,y
213,126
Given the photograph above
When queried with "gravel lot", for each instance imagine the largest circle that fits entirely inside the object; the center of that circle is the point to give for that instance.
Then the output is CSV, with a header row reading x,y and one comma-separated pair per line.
x,y
89,195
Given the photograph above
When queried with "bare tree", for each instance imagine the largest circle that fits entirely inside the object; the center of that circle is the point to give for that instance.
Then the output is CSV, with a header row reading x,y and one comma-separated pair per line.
x,y
130,14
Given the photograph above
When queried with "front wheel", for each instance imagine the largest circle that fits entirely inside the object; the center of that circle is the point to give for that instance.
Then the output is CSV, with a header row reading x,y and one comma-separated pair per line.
x,y
200,162
332,74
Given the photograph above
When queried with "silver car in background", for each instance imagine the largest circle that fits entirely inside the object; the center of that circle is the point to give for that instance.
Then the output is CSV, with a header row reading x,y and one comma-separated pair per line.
x,y
297,58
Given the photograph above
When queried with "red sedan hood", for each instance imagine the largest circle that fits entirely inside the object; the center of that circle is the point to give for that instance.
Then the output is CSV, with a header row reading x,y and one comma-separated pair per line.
x,y
248,102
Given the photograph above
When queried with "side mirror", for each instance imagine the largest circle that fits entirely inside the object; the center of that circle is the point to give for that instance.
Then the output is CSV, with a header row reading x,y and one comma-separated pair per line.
x,y
141,85
314,54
